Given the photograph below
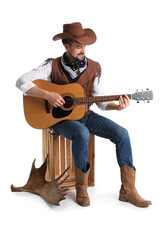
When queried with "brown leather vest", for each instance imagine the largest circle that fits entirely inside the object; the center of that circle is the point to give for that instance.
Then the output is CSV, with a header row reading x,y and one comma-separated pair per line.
x,y
85,80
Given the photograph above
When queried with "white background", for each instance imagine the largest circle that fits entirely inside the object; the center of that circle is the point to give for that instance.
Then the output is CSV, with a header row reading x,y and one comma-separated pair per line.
x,y
128,49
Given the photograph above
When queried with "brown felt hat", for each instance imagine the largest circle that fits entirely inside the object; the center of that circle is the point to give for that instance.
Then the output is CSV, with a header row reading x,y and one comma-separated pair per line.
x,y
75,31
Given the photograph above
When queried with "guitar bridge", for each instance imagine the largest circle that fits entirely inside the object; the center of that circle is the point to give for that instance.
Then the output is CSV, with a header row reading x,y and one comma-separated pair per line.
x,y
47,106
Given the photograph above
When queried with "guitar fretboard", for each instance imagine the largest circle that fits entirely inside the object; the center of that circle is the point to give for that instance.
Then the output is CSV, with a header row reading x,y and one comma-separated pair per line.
x,y
90,100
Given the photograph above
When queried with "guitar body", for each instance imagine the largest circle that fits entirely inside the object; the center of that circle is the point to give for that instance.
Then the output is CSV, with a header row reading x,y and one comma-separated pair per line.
x,y
39,114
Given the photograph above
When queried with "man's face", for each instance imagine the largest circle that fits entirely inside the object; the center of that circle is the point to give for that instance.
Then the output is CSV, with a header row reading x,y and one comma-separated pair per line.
x,y
76,51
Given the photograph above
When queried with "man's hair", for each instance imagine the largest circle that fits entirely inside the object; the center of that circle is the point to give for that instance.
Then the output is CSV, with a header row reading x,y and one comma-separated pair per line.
x,y
67,41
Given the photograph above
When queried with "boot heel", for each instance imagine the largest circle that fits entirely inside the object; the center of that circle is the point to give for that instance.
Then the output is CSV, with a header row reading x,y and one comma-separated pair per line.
x,y
122,199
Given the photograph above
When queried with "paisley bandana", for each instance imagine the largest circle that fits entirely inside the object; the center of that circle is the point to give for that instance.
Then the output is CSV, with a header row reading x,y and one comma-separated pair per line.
x,y
75,68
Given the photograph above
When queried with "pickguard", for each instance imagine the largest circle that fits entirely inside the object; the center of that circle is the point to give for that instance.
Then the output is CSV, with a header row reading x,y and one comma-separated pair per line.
x,y
60,113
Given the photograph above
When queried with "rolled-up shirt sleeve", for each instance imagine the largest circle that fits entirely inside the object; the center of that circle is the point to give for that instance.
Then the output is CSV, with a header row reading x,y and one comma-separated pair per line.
x,y
98,90
25,82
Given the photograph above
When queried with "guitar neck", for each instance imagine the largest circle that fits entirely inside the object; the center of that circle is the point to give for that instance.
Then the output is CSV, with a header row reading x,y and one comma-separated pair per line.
x,y
90,100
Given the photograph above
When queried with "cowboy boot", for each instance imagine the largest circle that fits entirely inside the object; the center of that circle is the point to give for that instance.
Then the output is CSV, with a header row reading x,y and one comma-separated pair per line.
x,y
128,192
81,187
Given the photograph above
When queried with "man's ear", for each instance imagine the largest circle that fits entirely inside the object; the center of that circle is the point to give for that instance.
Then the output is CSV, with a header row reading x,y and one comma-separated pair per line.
x,y
66,46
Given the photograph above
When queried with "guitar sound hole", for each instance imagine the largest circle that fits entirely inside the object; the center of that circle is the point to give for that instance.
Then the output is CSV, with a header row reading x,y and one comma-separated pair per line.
x,y
68,102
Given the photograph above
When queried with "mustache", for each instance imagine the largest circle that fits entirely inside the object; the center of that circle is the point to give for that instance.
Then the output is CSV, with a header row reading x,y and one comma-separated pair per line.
x,y
80,54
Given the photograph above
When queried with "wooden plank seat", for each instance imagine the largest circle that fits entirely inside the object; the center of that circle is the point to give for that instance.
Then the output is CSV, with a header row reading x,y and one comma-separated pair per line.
x,y
58,149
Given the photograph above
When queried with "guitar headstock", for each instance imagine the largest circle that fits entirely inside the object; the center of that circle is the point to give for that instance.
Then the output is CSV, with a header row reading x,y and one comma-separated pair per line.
x,y
143,95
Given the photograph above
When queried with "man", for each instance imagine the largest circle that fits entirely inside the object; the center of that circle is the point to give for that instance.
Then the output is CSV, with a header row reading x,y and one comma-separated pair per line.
x,y
73,66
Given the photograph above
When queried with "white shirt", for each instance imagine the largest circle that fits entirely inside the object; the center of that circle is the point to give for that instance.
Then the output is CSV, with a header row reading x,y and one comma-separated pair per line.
x,y
25,82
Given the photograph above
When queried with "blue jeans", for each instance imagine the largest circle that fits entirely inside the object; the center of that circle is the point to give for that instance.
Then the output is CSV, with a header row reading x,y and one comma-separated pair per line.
x,y
78,131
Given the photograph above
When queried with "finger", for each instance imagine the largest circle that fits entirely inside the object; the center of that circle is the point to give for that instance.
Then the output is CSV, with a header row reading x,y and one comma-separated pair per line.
x,y
60,102
56,104
127,100
61,99
126,96
121,102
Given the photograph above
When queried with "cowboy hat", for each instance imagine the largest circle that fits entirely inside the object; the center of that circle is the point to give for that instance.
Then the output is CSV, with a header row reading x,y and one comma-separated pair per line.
x,y
75,31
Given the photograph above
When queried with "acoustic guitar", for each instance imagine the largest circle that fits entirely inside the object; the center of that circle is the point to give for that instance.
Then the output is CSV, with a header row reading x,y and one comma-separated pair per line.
x,y
40,114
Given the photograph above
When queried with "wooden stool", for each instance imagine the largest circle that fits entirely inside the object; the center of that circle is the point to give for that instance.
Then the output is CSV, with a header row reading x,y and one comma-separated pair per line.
x,y
60,157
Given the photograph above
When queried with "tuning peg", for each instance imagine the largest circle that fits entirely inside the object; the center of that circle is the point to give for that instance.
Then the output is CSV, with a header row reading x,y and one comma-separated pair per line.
x,y
147,89
148,101
137,101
